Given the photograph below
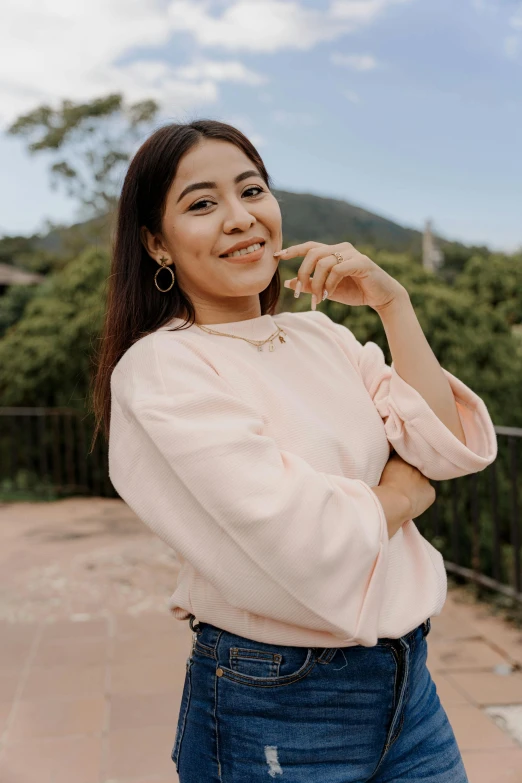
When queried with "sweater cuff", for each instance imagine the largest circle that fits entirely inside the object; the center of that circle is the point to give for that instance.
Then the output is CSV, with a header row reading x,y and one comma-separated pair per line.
x,y
480,449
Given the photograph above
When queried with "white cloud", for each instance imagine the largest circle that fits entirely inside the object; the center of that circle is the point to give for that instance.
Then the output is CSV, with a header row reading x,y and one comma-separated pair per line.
x,y
255,25
485,6
516,20
512,46
359,62
360,12
80,51
59,49
230,71
351,96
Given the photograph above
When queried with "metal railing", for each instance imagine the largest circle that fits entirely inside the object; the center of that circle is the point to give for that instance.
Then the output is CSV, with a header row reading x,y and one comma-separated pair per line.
x,y
44,451
475,521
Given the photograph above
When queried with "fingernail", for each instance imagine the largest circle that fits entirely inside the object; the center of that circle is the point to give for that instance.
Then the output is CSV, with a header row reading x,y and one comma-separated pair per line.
x,y
278,252
287,284
297,289
325,294
314,301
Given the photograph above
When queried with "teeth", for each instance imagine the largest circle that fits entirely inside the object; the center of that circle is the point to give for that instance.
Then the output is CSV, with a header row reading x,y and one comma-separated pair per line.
x,y
244,251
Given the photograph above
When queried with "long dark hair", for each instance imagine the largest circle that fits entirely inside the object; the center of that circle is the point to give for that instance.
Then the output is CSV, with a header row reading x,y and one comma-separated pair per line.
x,y
135,307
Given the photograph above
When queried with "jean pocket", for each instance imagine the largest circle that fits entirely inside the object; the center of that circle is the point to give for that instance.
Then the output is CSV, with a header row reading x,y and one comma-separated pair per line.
x,y
183,711
257,663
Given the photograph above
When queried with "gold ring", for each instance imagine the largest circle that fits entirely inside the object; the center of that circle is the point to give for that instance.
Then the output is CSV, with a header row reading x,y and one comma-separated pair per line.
x,y
338,257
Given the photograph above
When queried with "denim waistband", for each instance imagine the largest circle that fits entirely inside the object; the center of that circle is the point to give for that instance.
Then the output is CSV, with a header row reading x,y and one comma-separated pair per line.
x,y
424,629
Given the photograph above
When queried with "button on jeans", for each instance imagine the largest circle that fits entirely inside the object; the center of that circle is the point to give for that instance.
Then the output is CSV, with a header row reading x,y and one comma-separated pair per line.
x,y
253,712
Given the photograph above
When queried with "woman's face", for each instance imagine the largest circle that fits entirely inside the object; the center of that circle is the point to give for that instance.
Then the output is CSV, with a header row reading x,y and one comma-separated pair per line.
x,y
201,225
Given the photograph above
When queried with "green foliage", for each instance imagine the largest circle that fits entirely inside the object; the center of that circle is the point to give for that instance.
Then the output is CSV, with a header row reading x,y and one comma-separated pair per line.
x,y
45,358
495,280
13,304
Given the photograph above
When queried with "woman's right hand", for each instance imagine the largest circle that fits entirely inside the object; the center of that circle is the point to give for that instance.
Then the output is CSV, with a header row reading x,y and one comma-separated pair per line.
x,y
411,482
404,493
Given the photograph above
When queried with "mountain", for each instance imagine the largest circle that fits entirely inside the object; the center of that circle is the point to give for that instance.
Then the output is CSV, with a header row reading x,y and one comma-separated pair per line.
x,y
330,220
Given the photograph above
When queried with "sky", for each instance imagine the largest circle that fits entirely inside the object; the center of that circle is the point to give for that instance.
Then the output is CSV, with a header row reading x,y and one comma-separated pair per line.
x,y
409,108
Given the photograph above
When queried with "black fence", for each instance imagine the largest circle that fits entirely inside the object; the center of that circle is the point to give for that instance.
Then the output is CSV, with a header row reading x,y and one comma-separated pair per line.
x,y
475,521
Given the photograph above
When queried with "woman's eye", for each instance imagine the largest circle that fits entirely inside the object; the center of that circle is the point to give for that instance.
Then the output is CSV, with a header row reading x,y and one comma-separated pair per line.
x,y
198,204
255,187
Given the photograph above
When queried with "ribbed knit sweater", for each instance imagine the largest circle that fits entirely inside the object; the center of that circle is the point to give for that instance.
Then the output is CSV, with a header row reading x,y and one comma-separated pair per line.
x,y
255,466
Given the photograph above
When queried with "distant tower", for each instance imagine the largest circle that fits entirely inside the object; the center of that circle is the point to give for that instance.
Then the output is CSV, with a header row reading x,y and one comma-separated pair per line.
x,y
432,256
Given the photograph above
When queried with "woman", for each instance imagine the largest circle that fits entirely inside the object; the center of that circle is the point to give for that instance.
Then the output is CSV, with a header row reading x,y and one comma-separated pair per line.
x,y
257,445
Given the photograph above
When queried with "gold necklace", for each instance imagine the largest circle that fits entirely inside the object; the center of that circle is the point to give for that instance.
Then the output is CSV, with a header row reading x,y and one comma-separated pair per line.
x,y
259,343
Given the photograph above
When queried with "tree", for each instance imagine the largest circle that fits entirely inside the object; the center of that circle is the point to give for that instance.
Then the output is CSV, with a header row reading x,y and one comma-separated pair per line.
x,y
91,142
46,356
496,281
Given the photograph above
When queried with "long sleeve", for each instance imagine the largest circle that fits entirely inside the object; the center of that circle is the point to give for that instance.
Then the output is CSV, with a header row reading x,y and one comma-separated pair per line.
x,y
271,534
413,429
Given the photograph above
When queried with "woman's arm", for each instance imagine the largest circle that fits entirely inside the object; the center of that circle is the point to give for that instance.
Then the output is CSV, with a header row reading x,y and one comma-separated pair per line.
x,y
415,362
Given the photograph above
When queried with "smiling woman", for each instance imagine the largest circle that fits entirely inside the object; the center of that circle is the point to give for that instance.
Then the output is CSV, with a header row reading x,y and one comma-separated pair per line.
x,y
269,474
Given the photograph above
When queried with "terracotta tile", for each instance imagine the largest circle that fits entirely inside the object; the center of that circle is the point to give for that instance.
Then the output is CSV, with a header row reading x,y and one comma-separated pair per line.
x,y
71,652
476,731
450,627
5,711
57,717
147,623
132,710
500,766
447,655
505,637
17,641
448,693
148,675
485,688
66,629
55,682
149,646
9,679
141,752
63,760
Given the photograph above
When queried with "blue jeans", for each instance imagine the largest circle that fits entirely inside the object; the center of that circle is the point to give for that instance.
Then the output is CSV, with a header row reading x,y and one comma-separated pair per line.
x,y
251,712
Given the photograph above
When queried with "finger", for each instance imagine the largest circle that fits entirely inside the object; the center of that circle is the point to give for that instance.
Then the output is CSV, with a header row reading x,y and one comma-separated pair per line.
x,y
318,282
324,261
292,283
296,250
353,264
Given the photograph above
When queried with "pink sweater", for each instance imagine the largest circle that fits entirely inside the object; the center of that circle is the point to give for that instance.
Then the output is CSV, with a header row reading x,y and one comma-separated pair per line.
x,y
256,468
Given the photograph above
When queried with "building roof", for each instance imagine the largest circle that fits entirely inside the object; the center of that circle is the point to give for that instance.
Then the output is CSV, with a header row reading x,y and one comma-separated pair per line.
x,y
12,275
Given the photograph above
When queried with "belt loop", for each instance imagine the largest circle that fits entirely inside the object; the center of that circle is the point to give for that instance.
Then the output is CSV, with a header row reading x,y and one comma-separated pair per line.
x,y
198,627
426,627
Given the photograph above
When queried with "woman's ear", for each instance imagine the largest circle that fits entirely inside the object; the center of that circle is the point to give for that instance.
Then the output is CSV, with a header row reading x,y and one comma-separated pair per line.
x,y
152,243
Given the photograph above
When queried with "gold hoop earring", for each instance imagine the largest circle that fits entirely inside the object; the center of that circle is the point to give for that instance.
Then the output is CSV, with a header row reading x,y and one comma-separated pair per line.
x,y
164,266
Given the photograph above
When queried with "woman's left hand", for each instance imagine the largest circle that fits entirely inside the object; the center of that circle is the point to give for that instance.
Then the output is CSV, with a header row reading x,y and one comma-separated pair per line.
x,y
356,280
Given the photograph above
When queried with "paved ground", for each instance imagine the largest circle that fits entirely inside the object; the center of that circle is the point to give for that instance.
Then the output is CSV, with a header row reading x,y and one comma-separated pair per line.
x,y
92,664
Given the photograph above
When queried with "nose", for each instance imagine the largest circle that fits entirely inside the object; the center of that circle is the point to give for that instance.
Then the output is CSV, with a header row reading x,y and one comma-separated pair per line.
x,y
238,217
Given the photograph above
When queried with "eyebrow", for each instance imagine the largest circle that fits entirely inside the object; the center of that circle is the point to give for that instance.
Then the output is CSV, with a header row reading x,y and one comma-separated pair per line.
x,y
205,185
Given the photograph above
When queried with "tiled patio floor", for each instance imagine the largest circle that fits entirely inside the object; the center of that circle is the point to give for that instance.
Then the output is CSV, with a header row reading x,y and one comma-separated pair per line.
x,y
92,664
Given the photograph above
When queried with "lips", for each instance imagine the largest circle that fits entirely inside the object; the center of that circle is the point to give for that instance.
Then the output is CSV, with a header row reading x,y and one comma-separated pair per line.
x,y
242,245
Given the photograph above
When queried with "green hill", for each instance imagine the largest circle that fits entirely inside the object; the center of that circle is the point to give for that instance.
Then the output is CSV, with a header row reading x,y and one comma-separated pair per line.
x,y
306,216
